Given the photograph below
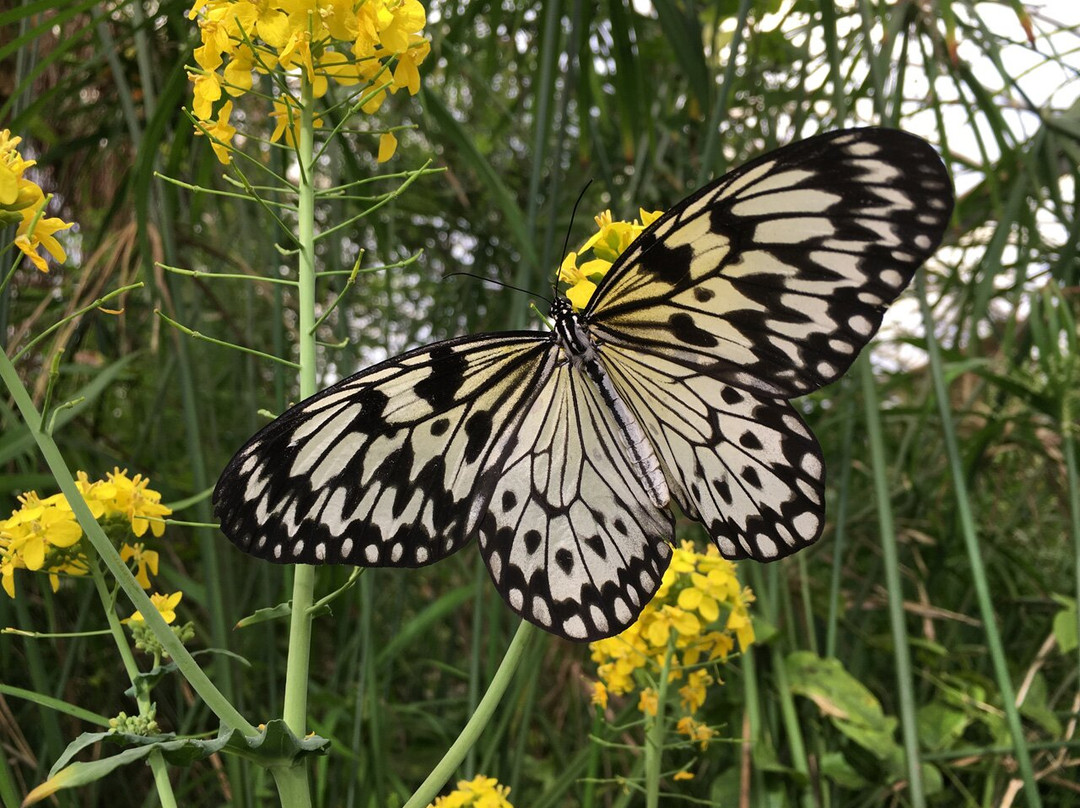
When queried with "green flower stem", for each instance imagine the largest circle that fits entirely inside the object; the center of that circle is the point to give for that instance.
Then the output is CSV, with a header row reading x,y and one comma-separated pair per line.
x,y
142,696
108,554
196,335
654,734
96,304
293,782
446,767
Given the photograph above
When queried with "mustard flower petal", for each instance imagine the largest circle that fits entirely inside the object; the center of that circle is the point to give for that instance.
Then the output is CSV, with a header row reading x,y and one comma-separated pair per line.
x,y
387,146
9,185
581,294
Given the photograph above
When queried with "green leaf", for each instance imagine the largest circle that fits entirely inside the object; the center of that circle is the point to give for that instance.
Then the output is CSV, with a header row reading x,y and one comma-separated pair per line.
x,y
1036,709
274,746
940,725
147,681
844,700
836,767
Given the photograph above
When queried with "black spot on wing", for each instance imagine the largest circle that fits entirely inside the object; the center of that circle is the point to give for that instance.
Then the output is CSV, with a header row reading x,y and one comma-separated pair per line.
x,y
684,328
565,559
669,264
448,369
478,428
509,500
532,541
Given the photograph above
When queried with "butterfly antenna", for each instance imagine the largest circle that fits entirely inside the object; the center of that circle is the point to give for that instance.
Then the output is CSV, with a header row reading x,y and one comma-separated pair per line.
x,y
496,282
566,241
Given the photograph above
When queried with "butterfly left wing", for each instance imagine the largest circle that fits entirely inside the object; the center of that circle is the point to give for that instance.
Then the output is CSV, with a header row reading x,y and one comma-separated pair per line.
x,y
774,277
571,539
393,466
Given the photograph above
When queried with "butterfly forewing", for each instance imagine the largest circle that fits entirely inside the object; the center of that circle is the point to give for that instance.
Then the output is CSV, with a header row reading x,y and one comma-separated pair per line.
x,y
572,541
775,276
390,467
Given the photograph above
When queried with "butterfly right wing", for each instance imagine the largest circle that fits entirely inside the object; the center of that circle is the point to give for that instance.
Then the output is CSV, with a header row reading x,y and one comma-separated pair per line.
x,y
393,466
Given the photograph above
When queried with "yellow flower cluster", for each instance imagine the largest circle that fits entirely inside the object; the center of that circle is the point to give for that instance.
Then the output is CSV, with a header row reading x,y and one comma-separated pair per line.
x,y
23,202
607,244
373,47
697,615
480,792
41,535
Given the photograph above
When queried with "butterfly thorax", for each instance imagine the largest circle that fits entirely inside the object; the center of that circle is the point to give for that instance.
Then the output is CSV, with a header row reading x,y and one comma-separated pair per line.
x,y
573,336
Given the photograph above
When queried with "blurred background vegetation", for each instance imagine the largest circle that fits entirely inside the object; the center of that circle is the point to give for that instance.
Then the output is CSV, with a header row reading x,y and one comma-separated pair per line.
x,y
937,612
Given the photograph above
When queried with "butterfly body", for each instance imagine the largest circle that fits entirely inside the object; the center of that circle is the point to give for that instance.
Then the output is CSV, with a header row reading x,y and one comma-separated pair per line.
x,y
561,452
585,358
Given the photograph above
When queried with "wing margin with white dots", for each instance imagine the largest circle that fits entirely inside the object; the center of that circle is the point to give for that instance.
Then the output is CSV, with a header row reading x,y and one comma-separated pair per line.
x,y
391,467
571,538
775,276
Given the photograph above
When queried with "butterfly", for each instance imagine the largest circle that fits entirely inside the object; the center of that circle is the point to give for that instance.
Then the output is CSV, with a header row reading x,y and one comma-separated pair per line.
x,y
563,451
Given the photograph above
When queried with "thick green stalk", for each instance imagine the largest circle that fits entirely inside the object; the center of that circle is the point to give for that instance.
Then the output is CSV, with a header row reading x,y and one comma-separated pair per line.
x,y
654,735
293,792
891,558
475,726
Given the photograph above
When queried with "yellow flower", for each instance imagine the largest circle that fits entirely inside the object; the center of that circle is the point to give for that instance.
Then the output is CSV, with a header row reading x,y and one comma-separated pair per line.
x,y
384,37
207,91
95,493
165,604
221,134
668,619
144,559
606,244
31,531
675,629
683,776
23,202
139,503
287,114
599,695
407,71
695,690
695,731
649,701
480,792
7,573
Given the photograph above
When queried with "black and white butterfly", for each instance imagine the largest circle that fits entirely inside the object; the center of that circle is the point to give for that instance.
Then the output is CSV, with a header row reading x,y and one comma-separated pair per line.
x,y
561,451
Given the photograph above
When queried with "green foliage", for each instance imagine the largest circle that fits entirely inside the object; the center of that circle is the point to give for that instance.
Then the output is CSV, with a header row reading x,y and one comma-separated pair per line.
x,y
524,101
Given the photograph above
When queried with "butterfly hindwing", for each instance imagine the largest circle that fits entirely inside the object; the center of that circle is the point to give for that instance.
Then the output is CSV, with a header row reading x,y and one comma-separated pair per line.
x,y
774,277
743,464
571,539
390,467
